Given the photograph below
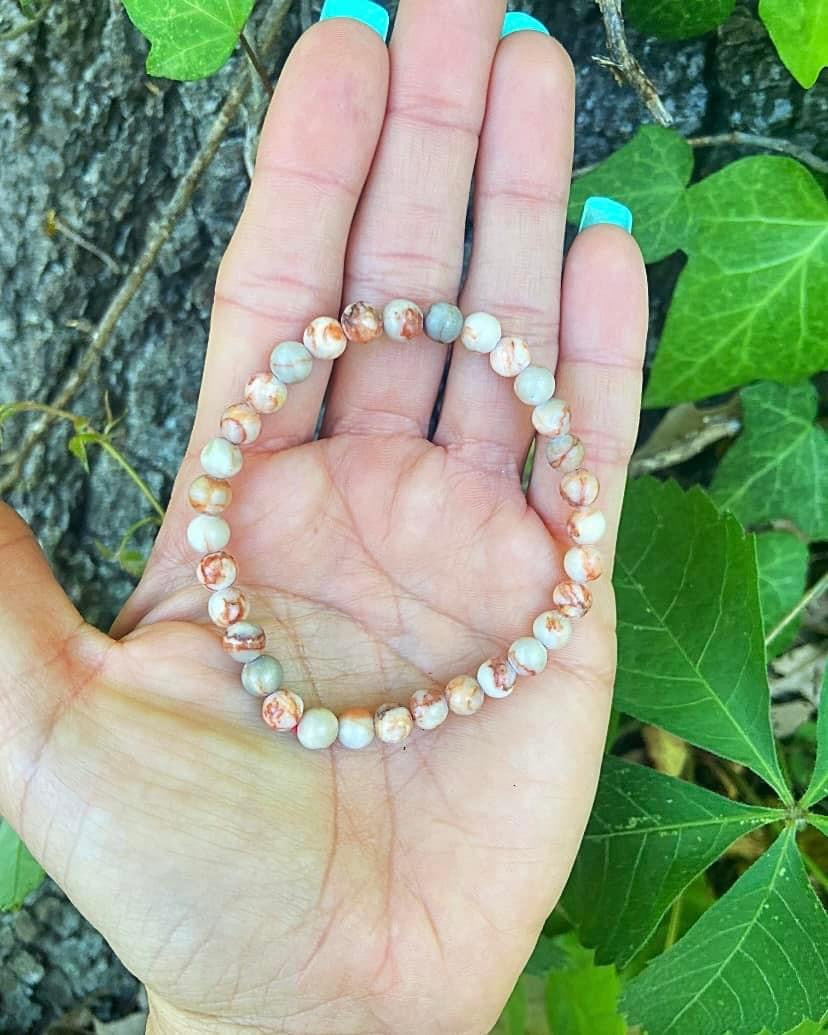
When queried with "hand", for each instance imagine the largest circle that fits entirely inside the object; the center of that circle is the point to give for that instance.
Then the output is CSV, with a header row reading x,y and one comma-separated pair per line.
x,y
252,884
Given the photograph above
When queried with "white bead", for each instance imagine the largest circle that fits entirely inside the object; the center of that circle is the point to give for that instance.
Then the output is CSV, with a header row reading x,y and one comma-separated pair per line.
x,y
217,570
552,629
429,708
393,723
221,459
496,677
324,338
227,606
317,728
262,676
510,356
586,527
290,362
244,641
282,710
464,696
527,656
210,495
207,532
583,564
265,393
481,332
572,599
580,488
535,385
565,452
551,418
241,424
402,320
356,728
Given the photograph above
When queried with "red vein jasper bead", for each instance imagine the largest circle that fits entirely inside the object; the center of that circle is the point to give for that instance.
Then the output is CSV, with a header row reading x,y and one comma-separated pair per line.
x,y
361,322
481,332
356,728
265,393
210,495
262,676
565,453
283,710
217,570
552,629
464,696
510,356
220,458
572,599
393,723
317,728
402,320
551,418
324,338
583,564
241,424
496,677
291,363
227,606
580,488
527,656
206,533
244,641
586,527
429,708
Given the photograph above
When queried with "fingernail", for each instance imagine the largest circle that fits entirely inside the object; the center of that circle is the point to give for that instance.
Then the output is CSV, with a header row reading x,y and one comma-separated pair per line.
x,y
605,210
365,11
517,21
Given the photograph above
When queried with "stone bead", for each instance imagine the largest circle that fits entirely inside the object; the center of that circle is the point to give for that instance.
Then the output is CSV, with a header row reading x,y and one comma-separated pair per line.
x,y
283,710
552,629
265,393
227,606
552,418
572,599
464,696
217,570
221,459
290,362
535,385
317,728
262,676
583,564
444,322
324,338
496,677
206,533
244,641
402,320
393,723
565,452
586,527
362,323
481,332
510,356
356,728
429,708
527,656
580,488
241,424
210,495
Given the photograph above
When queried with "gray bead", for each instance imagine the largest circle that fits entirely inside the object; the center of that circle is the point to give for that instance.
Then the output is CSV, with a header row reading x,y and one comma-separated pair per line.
x,y
444,322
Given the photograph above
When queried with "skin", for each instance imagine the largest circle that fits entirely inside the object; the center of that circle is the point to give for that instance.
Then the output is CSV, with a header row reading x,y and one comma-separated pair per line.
x,y
253,885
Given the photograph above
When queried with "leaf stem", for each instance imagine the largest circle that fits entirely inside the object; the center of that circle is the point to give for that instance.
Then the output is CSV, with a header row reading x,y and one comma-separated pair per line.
x,y
255,61
786,147
673,924
122,461
818,588
18,30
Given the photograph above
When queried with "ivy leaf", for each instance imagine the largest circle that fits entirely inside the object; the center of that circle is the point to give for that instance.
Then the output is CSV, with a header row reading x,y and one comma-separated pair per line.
x,y
583,998
778,467
751,301
677,19
546,957
648,838
755,958
190,39
799,30
650,176
783,570
818,787
819,821
19,872
691,651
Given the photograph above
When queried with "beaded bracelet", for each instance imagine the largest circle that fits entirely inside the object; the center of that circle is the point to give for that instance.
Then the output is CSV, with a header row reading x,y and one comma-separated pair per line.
x,y
210,494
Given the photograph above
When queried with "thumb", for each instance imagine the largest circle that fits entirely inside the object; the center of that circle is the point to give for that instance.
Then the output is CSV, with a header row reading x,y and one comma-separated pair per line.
x,y
48,654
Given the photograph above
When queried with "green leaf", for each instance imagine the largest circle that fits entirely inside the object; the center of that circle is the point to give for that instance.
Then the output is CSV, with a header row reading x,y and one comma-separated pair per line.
x,y
648,838
819,821
818,787
583,999
783,570
778,467
799,30
190,39
19,872
691,653
513,1019
546,957
756,958
751,301
77,447
677,19
650,176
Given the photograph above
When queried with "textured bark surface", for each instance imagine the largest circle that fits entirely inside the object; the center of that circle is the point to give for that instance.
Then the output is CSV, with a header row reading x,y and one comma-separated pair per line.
x,y
84,133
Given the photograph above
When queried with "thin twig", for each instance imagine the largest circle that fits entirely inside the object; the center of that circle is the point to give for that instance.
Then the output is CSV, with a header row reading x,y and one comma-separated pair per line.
x,y
624,66
55,225
255,61
818,588
785,147
23,27
685,448
158,237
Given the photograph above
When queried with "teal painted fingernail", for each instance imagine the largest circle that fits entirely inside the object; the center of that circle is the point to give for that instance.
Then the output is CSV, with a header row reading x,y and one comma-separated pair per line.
x,y
517,21
365,11
605,210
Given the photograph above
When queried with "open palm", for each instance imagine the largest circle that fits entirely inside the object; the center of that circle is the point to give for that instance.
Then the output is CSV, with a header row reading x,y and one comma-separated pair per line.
x,y
251,884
